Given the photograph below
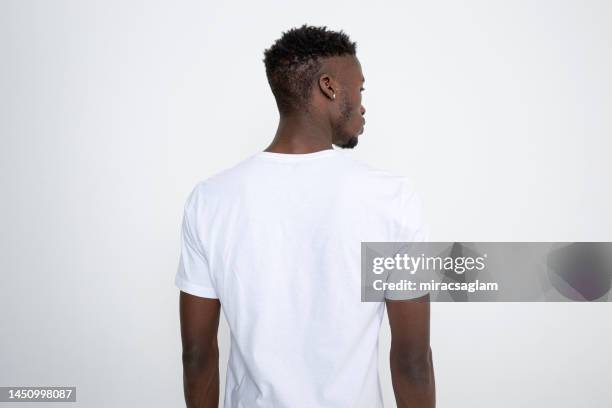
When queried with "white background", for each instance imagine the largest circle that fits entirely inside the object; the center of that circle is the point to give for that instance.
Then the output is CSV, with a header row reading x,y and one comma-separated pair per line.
x,y
111,111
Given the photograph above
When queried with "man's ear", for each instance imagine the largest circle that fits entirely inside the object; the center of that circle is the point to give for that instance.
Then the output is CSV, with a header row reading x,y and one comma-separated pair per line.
x,y
328,86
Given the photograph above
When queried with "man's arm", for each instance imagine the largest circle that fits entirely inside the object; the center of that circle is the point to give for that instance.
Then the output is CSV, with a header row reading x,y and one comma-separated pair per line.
x,y
411,362
199,325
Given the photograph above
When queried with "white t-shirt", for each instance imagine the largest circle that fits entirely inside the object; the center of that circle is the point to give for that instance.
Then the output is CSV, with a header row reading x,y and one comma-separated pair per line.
x,y
277,239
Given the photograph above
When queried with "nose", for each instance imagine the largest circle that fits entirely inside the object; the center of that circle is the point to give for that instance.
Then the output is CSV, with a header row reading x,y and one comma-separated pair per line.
x,y
363,110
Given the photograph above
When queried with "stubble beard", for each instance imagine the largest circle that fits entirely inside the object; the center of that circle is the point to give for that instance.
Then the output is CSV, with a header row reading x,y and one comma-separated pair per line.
x,y
345,115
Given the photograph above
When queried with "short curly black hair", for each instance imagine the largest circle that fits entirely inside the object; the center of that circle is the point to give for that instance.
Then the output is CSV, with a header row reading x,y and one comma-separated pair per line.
x,y
294,60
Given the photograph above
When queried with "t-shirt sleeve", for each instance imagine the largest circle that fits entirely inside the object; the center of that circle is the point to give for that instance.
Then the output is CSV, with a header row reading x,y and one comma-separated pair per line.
x,y
193,275
413,228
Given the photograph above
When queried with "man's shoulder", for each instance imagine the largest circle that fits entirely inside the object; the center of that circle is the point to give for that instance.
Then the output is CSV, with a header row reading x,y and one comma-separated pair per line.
x,y
379,177
227,177
221,183
393,194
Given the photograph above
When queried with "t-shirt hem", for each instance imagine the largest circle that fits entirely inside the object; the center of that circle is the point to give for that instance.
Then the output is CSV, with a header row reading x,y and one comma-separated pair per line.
x,y
405,296
196,290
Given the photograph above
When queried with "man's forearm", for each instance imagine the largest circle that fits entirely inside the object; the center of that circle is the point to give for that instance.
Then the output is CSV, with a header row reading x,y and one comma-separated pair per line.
x,y
413,380
201,378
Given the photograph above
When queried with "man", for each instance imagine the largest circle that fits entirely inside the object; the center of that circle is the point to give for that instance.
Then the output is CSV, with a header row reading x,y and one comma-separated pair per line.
x,y
275,241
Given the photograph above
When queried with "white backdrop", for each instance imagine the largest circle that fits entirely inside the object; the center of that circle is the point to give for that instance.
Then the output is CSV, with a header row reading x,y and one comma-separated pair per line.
x,y
111,111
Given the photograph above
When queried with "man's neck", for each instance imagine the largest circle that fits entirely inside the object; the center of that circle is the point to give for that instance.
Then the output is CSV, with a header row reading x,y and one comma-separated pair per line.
x,y
300,134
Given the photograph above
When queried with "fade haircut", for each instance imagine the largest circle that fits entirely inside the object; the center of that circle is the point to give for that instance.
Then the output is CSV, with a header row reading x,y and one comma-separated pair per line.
x,y
294,60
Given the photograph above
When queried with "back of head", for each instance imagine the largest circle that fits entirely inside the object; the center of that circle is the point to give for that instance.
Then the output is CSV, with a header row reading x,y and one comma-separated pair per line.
x,y
294,61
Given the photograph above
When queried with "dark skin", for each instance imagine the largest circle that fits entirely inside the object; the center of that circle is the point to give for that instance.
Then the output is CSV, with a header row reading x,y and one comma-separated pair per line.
x,y
411,361
199,326
334,117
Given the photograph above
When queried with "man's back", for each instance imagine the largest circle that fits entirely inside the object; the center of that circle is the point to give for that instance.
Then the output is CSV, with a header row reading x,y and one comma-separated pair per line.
x,y
277,240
